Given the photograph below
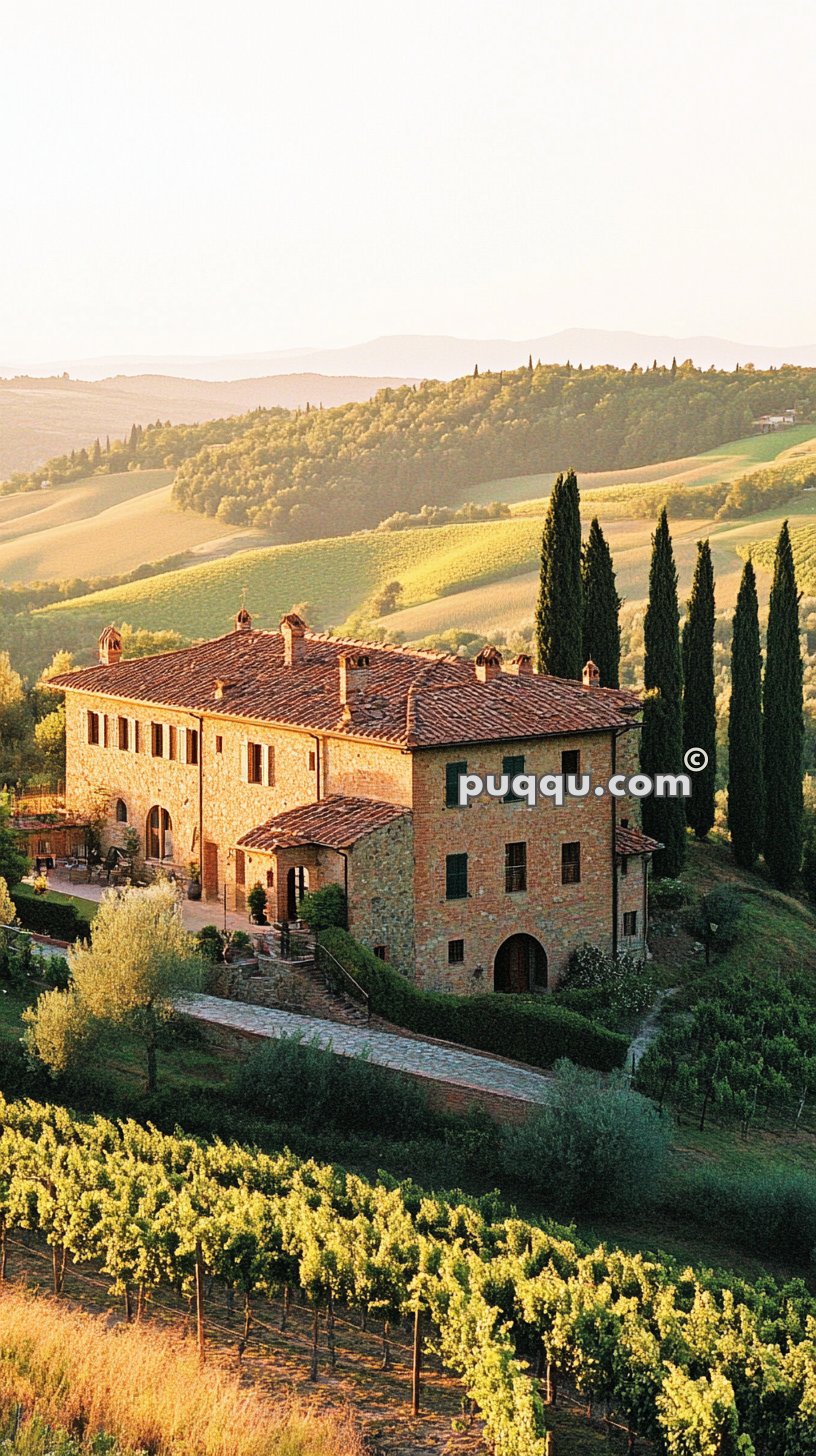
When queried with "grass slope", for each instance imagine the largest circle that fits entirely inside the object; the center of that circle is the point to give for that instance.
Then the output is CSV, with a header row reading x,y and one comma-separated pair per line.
x,y
803,541
103,525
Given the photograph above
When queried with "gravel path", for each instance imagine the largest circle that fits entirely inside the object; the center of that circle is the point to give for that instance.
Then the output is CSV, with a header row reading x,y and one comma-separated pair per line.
x,y
648,1030
402,1054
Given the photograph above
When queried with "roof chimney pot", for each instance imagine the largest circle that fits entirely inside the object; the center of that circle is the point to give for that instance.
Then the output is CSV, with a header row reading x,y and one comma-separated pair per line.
x,y
521,666
293,631
354,669
591,677
110,647
488,664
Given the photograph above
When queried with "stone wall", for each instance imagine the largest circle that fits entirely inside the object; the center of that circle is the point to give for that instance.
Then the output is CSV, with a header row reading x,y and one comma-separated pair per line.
x,y
381,909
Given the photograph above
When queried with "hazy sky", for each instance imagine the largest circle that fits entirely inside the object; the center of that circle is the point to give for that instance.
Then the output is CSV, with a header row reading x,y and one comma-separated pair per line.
x,y
220,177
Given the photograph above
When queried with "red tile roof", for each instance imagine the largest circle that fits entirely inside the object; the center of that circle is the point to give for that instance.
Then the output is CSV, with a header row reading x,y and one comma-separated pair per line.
x,y
634,841
335,822
412,698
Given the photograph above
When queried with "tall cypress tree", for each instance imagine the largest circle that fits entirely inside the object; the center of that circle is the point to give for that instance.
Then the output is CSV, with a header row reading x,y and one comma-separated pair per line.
x,y
782,722
699,702
746,796
662,736
558,613
601,604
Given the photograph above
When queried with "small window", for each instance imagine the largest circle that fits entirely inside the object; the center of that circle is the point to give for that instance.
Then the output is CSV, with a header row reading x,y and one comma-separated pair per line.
x,y
456,876
571,863
219,743
121,812
630,922
624,824
456,952
172,741
381,952
42,846
254,763
515,868
512,764
312,760
123,734
192,744
453,772
93,728
157,740
570,762
624,865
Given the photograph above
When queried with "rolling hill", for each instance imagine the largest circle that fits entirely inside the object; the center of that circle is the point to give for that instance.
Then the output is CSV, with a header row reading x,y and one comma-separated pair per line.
x,y
43,417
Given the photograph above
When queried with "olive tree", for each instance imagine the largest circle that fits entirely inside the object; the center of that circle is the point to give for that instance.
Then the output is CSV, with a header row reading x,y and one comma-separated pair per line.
x,y
139,959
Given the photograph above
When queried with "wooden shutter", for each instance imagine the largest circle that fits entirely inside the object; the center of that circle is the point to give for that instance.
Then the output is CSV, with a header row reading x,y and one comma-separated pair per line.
x,y
104,724
181,737
132,742
245,760
268,764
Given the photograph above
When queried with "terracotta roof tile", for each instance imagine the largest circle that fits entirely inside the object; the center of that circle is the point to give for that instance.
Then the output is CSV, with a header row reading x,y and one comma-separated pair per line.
x,y
335,822
634,841
412,698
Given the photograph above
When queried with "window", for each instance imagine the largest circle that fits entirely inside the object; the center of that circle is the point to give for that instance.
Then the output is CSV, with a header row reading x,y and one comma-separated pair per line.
x,y
452,775
515,868
93,728
456,876
121,812
456,952
571,863
312,760
123,734
625,865
512,764
381,952
570,762
42,846
157,740
191,744
159,834
219,743
254,763
630,922
624,824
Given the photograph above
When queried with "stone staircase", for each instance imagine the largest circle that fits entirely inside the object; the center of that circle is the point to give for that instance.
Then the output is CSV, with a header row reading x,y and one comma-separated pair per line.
x,y
290,986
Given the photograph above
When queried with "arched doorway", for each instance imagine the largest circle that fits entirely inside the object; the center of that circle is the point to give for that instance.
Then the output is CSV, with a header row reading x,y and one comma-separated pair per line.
x,y
297,883
520,966
159,834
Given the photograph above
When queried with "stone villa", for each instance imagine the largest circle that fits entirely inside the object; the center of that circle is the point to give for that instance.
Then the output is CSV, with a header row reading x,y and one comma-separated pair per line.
x,y
295,759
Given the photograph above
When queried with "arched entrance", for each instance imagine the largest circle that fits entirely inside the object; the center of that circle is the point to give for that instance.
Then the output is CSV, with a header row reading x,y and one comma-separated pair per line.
x,y
520,965
297,883
159,834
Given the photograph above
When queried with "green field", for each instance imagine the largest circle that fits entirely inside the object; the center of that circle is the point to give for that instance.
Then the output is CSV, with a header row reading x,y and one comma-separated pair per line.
x,y
103,526
803,541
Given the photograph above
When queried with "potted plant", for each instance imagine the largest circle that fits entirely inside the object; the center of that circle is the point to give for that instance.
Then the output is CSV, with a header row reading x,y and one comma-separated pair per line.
x,y
256,902
194,882
41,885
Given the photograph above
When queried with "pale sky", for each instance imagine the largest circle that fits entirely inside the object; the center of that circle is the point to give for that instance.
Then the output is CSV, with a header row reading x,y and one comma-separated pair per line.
x,y
217,177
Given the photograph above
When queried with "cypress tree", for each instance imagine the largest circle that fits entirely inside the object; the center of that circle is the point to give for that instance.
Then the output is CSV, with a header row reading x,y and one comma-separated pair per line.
x,y
601,604
662,736
699,703
558,612
746,796
782,722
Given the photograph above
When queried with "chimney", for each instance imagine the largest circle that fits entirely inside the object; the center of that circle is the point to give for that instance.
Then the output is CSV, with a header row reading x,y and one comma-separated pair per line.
x,y
220,687
353,676
521,666
591,677
243,621
293,631
110,647
488,664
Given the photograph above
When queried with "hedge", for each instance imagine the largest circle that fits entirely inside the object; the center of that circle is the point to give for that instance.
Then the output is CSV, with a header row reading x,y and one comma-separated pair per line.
x,y
536,1032
48,917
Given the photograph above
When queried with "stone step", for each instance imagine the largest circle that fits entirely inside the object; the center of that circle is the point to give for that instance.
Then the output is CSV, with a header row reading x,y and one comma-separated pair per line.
x,y
295,986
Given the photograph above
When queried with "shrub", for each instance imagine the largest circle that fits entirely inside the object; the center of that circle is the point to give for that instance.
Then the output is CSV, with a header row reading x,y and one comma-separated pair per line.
x,y
597,1145
324,908
533,1030
294,1079
48,917
770,1211
210,943
239,946
667,895
256,903
623,981
715,918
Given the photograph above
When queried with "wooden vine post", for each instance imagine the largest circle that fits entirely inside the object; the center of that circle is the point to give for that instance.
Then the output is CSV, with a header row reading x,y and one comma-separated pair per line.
x,y
416,1362
199,1300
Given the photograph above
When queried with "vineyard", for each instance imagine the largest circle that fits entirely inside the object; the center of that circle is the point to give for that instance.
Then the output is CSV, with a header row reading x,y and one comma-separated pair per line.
x,y
803,542
697,1364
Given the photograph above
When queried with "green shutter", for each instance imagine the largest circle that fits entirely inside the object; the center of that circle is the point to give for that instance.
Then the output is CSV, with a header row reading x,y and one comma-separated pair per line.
x,y
453,771
456,876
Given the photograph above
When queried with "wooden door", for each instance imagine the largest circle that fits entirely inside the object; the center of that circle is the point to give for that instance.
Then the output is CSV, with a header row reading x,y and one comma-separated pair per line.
x,y
210,870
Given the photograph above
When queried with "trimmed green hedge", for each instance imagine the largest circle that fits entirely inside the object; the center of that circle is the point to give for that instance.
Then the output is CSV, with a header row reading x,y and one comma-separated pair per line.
x,y
48,917
533,1031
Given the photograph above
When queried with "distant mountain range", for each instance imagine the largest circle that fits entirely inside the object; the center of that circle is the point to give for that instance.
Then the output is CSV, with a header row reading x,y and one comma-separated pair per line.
x,y
436,356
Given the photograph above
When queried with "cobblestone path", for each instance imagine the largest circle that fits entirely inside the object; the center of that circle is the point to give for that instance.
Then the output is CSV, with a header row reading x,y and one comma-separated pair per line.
x,y
447,1064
